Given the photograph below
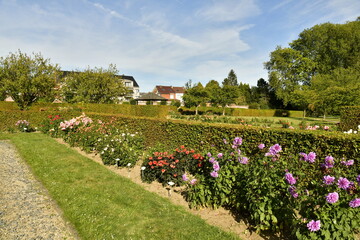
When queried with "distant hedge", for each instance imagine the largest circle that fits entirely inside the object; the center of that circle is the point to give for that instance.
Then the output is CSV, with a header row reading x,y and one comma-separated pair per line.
x,y
349,118
124,109
243,112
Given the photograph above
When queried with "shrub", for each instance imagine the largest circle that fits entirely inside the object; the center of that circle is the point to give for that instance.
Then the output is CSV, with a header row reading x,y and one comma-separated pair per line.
x,y
349,118
24,126
166,167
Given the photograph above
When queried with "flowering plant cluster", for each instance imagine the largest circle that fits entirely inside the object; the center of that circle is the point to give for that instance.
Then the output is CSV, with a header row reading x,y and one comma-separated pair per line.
x,y
353,131
303,195
23,126
51,125
113,145
172,166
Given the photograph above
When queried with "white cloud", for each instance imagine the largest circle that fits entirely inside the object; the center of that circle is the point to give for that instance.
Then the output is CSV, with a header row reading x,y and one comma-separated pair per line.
x,y
229,10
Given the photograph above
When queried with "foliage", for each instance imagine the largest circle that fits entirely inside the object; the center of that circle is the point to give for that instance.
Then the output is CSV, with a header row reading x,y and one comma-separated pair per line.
x,y
195,96
166,167
280,190
349,118
27,79
96,85
24,126
231,80
322,62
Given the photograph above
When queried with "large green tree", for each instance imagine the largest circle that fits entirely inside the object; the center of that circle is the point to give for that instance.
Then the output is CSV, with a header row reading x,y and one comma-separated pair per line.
x,y
318,53
27,78
195,96
96,85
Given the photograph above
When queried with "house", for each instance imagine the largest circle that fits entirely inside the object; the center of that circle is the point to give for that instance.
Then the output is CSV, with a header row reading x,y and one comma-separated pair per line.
x,y
170,92
131,84
151,98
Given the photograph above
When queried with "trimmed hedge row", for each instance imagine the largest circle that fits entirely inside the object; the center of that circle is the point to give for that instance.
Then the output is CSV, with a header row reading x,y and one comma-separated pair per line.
x,y
350,118
158,111
238,112
174,133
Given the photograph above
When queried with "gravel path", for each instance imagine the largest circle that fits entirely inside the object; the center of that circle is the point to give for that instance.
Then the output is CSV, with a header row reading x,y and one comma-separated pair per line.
x,y
26,210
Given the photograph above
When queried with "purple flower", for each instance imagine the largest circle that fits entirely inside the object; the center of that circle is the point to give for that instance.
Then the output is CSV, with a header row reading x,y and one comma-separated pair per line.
x,y
314,226
332,197
185,178
355,203
214,174
193,181
347,163
225,142
358,179
216,166
261,146
237,141
290,179
292,191
343,183
212,160
329,162
208,154
220,155
328,180
244,160
303,156
273,150
311,157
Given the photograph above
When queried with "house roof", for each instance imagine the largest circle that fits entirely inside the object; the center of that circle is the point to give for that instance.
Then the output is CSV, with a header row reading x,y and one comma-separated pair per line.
x,y
150,96
179,89
131,78
164,89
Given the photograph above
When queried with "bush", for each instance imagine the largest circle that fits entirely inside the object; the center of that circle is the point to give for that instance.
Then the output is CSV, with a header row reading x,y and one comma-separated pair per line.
x,y
349,118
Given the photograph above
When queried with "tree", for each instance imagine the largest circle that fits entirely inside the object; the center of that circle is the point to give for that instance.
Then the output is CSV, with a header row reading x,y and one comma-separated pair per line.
x,y
227,95
288,69
231,79
213,88
195,96
318,52
339,88
244,94
27,79
94,86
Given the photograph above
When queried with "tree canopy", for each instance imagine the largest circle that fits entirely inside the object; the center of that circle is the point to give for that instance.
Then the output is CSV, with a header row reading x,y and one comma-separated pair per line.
x,y
231,79
96,85
319,64
27,79
195,96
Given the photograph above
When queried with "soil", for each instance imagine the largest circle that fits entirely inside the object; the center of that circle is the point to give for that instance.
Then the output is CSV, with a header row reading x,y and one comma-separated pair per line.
x,y
220,217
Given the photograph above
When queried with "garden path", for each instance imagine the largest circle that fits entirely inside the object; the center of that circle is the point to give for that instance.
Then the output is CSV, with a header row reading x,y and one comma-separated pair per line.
x,y
26,210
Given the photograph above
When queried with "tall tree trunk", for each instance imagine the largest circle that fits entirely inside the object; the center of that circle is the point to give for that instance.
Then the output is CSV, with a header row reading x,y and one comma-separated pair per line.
x,y
223,111
304,113
196,110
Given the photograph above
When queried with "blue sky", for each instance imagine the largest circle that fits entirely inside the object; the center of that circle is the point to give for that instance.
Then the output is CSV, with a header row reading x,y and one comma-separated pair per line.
x,y
164,42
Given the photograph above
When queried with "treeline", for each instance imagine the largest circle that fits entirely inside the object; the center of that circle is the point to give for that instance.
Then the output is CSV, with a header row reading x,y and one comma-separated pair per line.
x,y
318,72
32,78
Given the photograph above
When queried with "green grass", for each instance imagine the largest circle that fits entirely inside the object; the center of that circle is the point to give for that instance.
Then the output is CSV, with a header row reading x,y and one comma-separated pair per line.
x,y
101,204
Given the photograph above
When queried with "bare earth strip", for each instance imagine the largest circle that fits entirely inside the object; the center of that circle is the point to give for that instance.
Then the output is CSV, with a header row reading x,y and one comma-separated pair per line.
x,y
26,210
217,217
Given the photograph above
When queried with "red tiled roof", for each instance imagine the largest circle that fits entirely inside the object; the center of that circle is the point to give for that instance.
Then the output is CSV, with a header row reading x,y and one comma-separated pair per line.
x,y
164,89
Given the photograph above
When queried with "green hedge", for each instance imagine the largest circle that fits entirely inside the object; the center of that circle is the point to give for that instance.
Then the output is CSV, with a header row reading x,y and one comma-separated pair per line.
x,y
350,118
158,111
174,133
243,112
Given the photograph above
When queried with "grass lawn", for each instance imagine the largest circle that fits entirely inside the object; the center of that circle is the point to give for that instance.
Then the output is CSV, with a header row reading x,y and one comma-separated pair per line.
x,y
101,204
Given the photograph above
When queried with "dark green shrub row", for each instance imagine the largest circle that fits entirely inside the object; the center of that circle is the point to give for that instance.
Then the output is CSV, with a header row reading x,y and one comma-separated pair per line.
x,y
350,118
195,135
158,111
242,112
